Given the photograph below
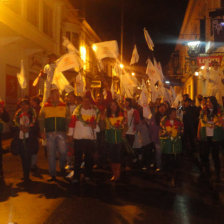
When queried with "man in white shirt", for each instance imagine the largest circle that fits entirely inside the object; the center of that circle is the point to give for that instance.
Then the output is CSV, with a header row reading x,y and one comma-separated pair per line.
x,y
82,129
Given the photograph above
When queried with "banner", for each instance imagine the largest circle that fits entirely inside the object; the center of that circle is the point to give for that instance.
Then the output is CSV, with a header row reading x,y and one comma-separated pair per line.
x,y
202,60
106,49
69,61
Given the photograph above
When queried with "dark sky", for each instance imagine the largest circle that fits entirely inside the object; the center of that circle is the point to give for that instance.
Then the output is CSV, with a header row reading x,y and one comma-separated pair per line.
x,y
162,18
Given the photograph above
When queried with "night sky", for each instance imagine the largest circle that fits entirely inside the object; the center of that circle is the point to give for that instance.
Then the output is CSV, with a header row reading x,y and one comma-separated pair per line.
x,y
162,19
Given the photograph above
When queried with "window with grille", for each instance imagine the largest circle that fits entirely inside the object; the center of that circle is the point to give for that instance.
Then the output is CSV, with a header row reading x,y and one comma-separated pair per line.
x,y
222,3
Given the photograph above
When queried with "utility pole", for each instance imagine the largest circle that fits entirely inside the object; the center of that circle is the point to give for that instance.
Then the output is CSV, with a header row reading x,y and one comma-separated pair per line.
x,y
122,29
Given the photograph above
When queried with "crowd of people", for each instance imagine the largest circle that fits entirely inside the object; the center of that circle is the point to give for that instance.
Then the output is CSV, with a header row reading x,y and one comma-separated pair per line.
x,y
84,133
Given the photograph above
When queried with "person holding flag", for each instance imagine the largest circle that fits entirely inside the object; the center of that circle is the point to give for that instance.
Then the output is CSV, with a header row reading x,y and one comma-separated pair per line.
x,y
47,74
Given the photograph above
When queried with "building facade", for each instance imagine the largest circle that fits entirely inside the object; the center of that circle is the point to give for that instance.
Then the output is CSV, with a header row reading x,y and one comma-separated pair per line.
x,y
29,31
200,41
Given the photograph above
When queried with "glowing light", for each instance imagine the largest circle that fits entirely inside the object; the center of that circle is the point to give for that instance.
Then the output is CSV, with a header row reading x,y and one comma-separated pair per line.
x,y
83,53
196,73
167,82
193,44
94,47
133,74
121,66
202,67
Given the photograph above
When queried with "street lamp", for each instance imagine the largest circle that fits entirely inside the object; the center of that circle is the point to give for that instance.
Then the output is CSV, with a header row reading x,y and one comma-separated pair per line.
x,y
133,74
194,48
167,82
196,73
121,66
94,47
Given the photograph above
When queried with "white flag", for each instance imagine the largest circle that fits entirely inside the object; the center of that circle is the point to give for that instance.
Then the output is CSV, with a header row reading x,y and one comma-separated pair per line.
x,y
135,56
160,70
156,66
148,40
69,61
61,82
152,72
177,101
21,76
128,83
144,100
107,49
80,85
173,94
68,44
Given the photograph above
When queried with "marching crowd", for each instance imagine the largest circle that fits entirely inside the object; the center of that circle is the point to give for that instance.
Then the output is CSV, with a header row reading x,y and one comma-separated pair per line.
x,y
83,133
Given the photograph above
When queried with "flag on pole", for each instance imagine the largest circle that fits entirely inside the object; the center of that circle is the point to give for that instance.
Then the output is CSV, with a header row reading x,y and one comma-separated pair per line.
x,y
106,49
135,56
61,82
127,84
68,44
177,101
160,70
80,85
152,72
148,40
21,76
158,67
144,100
69,61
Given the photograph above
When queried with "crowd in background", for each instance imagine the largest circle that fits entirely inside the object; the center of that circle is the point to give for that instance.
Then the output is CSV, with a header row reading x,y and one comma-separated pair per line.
x,y
84,133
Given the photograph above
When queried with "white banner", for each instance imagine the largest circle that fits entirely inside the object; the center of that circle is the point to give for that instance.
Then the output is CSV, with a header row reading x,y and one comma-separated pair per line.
x,y
107,49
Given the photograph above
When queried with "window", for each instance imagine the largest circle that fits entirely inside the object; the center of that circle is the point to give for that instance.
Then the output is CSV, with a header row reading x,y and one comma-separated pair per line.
x,y
75,40
14,5
33,11
222,3
73,37
68,35
47,20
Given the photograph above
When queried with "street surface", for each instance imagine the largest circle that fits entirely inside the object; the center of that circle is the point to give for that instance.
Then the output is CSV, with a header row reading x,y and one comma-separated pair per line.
x,y
142,198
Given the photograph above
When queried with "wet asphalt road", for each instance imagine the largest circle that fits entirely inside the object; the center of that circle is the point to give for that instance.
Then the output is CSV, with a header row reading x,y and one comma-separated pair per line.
x,y
141,198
